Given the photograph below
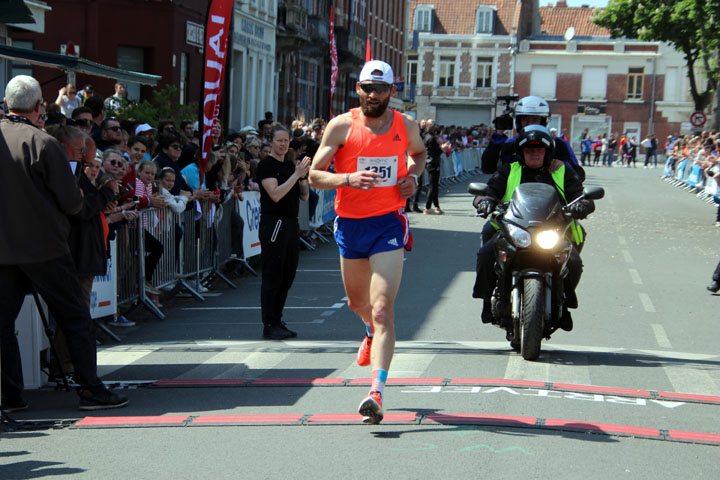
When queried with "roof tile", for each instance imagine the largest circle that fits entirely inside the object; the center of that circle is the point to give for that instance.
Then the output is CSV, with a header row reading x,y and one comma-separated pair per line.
x,y
556,20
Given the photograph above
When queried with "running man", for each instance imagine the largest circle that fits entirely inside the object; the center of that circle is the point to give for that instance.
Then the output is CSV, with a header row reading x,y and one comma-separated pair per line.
x,y
378,156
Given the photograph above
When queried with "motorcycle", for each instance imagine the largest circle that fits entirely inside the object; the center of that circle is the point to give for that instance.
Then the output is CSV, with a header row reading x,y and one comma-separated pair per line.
x,y
532,249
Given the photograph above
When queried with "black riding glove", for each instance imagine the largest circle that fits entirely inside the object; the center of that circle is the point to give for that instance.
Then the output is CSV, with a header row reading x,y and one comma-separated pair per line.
x,y
486,206
580,210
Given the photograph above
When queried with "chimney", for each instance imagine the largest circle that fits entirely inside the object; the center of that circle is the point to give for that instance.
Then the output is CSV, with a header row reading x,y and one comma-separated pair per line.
x,y
561,4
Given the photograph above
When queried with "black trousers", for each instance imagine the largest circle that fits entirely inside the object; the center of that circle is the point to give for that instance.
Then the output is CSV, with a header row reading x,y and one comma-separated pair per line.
x,y
236,228
433,188
56,280
280,243
153,251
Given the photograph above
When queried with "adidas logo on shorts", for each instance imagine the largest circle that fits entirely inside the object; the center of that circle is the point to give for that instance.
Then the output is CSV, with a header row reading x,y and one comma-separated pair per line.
x,y
397,138
393,242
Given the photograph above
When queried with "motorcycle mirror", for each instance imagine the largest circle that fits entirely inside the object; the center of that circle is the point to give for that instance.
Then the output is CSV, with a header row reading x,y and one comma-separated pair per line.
x,y
477,188
594,193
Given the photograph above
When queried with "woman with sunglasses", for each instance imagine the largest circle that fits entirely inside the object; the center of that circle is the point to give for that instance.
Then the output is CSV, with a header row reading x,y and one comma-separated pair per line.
x,y
170,149
68,99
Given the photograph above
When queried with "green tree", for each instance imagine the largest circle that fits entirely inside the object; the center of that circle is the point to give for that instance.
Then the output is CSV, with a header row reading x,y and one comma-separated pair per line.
x,y
161,107
691,26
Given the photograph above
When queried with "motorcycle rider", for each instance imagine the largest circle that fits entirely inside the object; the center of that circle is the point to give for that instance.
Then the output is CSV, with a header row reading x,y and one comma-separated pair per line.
x,y
529,110
535,148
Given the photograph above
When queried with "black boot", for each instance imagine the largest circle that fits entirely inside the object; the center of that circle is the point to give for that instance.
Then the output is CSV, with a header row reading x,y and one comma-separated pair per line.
x,y
277,331
486,314
714,286
566,322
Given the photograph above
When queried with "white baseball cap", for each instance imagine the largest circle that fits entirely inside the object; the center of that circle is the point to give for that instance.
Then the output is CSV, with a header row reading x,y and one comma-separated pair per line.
x,y
366,74
143,128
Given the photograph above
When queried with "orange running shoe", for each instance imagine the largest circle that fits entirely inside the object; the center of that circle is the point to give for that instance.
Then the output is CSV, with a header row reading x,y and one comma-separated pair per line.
x,y
363,355
371,408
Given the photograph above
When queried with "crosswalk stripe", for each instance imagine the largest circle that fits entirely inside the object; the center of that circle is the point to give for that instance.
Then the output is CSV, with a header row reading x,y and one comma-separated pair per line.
x,y
690,379
410,365
233,364
112,360
544,371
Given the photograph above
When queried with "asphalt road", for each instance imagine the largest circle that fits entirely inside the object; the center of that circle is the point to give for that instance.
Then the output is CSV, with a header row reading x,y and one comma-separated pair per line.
x,y
632,391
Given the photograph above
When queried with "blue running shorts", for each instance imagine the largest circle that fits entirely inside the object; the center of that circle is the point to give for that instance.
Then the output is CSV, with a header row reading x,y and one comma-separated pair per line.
x,y
364,237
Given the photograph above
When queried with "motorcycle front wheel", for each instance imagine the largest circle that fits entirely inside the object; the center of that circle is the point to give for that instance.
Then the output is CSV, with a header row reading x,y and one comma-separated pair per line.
x,y
531,320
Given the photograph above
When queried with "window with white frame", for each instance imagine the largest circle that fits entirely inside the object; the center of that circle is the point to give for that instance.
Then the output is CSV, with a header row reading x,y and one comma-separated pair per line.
x,y
483,72
543,80
446,74
484,20
635,82
594,83
412,70
423,18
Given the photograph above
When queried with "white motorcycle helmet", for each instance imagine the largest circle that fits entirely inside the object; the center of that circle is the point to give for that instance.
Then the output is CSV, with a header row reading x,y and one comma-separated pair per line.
x,y
532,106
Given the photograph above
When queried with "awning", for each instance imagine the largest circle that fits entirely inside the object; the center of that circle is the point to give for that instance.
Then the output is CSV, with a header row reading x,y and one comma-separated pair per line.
x,y
76,64
15,11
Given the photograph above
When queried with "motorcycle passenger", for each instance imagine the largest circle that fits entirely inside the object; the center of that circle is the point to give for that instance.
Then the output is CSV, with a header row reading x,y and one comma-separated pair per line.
x,y
530,110
534,146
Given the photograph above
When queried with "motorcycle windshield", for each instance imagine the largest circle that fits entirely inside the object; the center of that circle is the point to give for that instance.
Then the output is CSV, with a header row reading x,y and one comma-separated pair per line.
x,y
534,202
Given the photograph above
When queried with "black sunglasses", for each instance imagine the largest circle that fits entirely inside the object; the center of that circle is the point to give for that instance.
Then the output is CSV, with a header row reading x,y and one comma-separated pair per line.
x,y
378,88
114,129
176,146
117,163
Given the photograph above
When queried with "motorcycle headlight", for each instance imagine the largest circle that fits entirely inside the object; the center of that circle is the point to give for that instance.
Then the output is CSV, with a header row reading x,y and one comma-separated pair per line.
x,y
547,239
520,237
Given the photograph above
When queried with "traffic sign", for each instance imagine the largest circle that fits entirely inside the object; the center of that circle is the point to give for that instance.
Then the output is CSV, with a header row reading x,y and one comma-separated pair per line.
x,y
697,119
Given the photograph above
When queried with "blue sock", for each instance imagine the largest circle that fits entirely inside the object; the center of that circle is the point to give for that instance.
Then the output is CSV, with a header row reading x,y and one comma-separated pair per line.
x,y
379,377
369,331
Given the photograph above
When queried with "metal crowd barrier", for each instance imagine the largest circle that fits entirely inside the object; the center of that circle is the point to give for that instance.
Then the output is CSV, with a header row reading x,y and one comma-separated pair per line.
x,y
196,244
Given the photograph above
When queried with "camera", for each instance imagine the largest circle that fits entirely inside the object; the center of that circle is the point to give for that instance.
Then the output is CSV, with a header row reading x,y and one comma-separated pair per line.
x,y
505,121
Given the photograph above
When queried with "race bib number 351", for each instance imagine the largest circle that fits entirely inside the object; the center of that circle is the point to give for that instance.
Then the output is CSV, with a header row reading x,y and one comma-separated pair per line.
x,y
387,167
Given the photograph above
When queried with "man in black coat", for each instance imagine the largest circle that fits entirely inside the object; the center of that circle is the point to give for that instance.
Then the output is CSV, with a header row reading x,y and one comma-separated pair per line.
x,y
39,191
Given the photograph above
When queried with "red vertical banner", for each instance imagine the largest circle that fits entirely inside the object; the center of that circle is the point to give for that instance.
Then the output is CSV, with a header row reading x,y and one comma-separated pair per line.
x,y
368,51
217,30
333,59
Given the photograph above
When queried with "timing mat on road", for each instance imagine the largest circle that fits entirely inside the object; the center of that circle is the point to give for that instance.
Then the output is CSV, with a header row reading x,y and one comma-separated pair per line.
x,y
405,418
439,381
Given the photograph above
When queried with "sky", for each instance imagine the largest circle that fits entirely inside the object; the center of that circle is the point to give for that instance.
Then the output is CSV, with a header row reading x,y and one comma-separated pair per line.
x,y
578,3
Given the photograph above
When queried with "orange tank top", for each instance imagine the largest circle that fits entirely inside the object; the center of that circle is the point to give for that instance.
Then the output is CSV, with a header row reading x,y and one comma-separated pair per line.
x,y
363,150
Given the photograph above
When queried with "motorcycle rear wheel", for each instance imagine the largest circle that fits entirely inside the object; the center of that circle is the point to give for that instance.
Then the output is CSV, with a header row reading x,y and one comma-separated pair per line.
x,y
531,321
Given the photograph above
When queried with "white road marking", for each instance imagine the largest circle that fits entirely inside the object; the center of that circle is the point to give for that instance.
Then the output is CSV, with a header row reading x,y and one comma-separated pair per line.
x,y
688,378
622,241
647,303
544,371
635,275
112,360
410,365
626,256
661,336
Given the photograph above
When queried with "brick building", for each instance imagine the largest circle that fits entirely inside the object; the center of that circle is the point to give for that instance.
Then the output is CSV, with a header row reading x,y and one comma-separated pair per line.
x,y
386,35
459,56
603,84
151,37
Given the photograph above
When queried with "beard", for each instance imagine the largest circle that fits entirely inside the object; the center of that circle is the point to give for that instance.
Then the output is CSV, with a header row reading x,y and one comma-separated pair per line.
x,y
374,110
